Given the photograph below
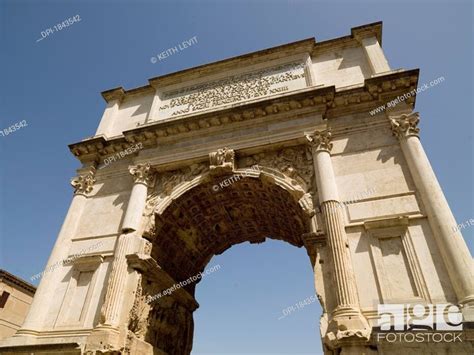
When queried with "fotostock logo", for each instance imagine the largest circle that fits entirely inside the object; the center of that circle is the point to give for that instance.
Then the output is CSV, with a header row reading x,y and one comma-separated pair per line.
x,y
417,323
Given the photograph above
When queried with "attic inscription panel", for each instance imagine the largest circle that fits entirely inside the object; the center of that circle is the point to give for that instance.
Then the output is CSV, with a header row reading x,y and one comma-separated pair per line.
x,y
233,89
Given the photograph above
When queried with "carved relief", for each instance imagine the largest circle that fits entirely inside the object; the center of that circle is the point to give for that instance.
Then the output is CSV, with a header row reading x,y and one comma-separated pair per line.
x,y
405,125
147,247
164,185
149,228
139,313
232,89
165,324
294,163
222,160
83,184
170,327
169,180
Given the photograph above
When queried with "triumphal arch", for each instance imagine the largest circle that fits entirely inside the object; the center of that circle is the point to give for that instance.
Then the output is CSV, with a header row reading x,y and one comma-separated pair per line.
x,y
295,143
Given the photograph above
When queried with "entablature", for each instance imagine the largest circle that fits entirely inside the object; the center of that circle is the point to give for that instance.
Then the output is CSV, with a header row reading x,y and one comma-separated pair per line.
x,y
325,101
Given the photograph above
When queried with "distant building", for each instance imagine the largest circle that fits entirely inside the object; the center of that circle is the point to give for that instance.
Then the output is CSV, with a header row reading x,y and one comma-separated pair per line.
x,y
16,296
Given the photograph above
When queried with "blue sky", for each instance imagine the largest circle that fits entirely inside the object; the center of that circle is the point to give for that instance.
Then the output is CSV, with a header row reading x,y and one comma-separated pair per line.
x,y
55,85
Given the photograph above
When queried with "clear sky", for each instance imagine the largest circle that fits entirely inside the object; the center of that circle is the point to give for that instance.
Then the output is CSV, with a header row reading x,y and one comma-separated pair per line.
x,y
55,84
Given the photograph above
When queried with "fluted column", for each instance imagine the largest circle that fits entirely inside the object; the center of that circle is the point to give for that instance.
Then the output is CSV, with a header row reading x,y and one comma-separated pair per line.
x,y
128,243
346,294
51,278
453,249
347,320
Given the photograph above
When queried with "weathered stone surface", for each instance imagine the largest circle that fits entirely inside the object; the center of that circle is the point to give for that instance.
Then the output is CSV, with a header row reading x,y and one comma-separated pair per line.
x,y
293,159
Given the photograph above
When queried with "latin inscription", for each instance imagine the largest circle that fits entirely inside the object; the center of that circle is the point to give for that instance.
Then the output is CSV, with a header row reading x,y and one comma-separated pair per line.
x,y
232,89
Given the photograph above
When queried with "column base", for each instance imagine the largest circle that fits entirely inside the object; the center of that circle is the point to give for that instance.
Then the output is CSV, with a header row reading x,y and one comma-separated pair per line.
x,y
109,340
467,309
141,347
105,340
347,329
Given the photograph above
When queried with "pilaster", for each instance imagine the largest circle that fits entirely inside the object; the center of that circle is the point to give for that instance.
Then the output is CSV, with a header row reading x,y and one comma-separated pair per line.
x,y
113,97
373,51
45,294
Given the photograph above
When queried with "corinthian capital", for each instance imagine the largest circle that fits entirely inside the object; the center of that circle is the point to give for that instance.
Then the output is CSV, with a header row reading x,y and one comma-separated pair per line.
x,y
83,184
405,125
320,140
142,173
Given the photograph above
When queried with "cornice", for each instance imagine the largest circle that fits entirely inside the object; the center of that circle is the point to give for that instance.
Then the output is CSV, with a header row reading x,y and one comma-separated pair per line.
x,y
93,149
369,30
13,280
375,92
114,94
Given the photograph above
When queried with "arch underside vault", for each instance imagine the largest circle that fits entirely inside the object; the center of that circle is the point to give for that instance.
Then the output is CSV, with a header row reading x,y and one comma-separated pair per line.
x,y
220,211
205,222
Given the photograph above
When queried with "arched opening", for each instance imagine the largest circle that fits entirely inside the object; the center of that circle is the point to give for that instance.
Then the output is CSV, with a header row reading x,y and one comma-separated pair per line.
x,y
261,301
203,222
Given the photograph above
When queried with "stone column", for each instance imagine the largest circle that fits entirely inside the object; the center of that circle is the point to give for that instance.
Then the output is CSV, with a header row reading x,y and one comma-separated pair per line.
x,y
453,249
142,175
129,242
51,278
347,321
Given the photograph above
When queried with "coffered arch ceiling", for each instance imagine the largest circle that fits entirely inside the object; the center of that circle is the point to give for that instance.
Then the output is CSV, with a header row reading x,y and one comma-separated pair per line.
x,y
212,217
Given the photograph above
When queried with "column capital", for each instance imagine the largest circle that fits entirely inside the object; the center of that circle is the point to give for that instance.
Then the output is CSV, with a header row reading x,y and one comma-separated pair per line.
x,y
405,125
142,173
83,184
320,140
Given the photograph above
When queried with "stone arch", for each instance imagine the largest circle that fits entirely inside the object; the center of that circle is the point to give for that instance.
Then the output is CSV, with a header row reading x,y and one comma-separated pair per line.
x,y
295,187
199,218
